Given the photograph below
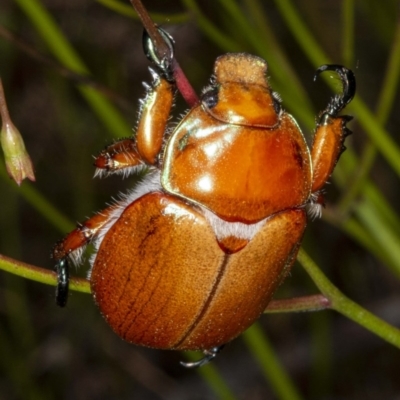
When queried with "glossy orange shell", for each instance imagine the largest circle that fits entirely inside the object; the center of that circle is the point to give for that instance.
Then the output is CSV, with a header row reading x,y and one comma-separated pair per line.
x,y
240,173
161,279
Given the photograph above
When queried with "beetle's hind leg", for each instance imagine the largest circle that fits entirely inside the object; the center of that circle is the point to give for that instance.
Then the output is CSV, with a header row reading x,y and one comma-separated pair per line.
x,y
331,130
208,356
71,248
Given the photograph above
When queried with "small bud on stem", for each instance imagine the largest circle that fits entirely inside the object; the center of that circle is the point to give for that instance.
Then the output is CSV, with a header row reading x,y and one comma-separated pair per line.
x,y
18,163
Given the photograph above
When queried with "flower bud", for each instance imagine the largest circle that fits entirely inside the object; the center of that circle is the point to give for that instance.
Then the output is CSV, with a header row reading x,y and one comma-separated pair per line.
x,y
18,162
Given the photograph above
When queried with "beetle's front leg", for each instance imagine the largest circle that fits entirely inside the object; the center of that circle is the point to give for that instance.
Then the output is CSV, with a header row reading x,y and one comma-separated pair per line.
x,y
154,114
331,129
126,155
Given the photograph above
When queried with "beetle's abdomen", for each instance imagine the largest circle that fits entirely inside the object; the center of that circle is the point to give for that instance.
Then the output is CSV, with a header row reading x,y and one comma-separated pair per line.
x,y
161,280
240,173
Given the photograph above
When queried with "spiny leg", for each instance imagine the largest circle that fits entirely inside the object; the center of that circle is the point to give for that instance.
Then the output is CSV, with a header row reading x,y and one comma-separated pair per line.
x,y
331,129
126,155
208,356
154,114
72,246
120,157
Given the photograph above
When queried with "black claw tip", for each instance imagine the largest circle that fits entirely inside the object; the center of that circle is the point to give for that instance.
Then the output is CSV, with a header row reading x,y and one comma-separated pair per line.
x,y
62,269
164,63
208,356
349,87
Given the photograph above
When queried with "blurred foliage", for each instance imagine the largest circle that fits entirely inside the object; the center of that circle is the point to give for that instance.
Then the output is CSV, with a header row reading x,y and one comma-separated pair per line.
x,y
71,354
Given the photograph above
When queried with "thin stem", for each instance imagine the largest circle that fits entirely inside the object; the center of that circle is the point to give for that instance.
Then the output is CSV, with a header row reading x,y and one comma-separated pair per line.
x,y
273,370
41,275
315,302
5,115
126,10
348,32
332,296
211,375
271,50
66,54
209,29
386,145
47,277
161,48
164,52
64,71
183,85
384,105
347,307
41,204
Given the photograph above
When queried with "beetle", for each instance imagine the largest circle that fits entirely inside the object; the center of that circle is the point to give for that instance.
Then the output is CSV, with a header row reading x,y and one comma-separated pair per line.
x,y
190,257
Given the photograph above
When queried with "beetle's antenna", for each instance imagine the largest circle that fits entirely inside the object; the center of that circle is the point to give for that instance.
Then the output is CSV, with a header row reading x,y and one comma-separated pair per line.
x,y
162,50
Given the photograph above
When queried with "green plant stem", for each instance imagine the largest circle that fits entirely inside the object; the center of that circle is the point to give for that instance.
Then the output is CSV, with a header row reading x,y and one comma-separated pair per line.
x,y
348,32
274,372
336,300
127,10
60,47
211,375
384,143
18,372
271,50
41,275
322,355
47,277
374,207
222,40
347,307
349,163
384,106
40,203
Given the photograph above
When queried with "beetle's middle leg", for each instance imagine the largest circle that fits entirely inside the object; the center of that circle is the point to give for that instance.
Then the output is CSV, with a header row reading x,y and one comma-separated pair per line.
x,y
331,129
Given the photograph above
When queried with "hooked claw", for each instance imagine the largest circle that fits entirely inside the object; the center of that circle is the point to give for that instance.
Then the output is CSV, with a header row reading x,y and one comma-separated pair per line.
x,y
208,356
164,62
348,79
62,269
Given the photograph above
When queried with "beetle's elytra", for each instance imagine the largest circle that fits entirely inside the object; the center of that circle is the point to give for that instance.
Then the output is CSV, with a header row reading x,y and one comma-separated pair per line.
x,y
191,257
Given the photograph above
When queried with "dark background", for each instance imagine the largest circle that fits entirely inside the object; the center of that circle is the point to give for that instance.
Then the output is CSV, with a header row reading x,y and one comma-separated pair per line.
x,y
46,352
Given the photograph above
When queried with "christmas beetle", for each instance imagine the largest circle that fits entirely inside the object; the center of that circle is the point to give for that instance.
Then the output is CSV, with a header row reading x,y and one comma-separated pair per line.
x,y
190,257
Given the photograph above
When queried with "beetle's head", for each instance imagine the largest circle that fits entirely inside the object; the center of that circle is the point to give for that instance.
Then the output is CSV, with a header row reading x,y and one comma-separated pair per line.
x,y
240,93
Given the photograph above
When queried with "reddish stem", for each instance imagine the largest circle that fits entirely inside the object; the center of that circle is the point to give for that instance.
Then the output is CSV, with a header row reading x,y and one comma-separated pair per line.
x,y
162,49
184,86
315,302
